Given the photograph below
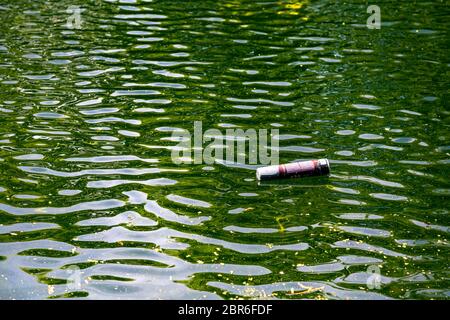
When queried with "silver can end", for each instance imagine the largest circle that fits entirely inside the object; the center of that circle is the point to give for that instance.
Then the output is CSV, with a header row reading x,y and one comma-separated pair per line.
x,y
324,166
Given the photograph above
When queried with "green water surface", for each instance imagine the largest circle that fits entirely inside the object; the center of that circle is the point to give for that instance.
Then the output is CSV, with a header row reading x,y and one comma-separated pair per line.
x,y
92,206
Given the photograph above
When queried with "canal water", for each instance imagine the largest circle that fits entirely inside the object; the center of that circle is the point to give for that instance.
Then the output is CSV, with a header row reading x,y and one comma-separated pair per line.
x,y
93,206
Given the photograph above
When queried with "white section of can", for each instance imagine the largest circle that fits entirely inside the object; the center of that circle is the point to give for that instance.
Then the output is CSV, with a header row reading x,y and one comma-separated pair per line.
x,y
266,172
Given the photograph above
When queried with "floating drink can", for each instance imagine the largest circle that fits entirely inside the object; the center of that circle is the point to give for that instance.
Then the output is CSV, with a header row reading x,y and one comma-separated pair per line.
x,y
308,168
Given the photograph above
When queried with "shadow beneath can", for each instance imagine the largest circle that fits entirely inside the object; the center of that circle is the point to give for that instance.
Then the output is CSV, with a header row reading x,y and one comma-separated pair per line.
x,y
305,182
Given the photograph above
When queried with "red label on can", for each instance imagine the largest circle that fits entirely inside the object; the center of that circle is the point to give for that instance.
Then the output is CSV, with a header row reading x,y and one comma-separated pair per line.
x,y
282,169
299,167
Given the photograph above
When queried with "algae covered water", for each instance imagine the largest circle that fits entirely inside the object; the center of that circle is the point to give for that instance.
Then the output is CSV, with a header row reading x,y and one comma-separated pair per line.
x,y
93,206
